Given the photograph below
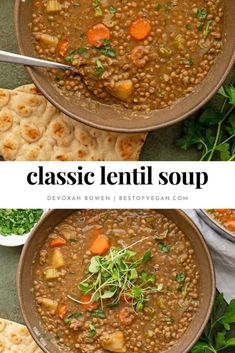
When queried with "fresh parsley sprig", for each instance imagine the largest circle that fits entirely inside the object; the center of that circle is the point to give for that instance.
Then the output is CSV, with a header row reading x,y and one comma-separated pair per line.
x,y
216,336
213,131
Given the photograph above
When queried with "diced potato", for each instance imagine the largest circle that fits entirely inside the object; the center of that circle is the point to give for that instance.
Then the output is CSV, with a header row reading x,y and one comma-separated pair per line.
x,y
51,273
179,41
122,90
53,6
113,342
48,39
108,20
165,51
57,259
161,303
48,303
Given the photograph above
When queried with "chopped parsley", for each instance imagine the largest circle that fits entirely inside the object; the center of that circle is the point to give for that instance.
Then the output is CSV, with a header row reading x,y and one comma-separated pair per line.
x,y
201,14
163,247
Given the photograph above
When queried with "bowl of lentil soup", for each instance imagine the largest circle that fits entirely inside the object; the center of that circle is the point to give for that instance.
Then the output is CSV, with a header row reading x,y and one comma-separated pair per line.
x,y
116,281
222,220
138,66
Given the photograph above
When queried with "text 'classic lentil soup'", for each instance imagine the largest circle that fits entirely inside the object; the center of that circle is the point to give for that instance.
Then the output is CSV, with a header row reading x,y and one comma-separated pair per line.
x,y
116,281
143,55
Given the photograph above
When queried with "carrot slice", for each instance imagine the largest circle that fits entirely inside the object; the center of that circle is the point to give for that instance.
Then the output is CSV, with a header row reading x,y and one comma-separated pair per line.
x,y
140,29
88,304
100,245
231,224
223,211
62,311
63,47
97,34
58,242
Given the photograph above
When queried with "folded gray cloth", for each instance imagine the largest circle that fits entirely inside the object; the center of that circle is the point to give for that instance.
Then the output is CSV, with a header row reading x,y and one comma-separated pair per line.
x,y
223,255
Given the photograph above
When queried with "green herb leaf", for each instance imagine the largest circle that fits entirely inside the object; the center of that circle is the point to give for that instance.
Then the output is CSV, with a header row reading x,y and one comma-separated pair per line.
x,y
207,29
112,9
100,69
107,51
147,256
70,317
210,117
98,313
163,247
201,14
85,288
92,330
71,55
94,264
18,221
228,316
200,347
180,277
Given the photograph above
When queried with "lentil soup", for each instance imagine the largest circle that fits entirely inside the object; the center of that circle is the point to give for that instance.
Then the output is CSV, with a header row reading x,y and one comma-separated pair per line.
x,y
143,55
116,281
225,217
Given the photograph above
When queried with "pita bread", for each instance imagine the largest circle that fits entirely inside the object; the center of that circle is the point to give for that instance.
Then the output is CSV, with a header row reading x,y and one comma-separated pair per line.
x,y
31,129
15,338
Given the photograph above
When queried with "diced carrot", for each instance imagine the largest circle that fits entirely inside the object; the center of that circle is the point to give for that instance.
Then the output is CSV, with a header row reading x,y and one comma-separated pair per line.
x,y
63,47
140,29
222,211
100,245
97,34
57,242
88,304
62,311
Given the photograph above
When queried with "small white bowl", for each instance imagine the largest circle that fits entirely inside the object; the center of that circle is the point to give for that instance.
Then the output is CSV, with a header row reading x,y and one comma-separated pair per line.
x,y
13,240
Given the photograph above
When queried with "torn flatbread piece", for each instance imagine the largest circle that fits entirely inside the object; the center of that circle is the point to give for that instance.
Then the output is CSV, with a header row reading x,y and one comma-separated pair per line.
x,y
15,338
31,129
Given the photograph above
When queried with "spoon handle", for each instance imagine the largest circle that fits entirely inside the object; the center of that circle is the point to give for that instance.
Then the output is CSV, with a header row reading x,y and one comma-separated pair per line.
x,y
28,61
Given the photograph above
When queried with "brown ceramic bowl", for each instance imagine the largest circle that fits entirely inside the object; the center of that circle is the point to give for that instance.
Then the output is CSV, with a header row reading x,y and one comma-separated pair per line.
x,y
106,117
40,233
211,222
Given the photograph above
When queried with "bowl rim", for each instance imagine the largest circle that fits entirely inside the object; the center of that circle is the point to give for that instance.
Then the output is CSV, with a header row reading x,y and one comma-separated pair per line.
x,y
98,125
182,214
216,226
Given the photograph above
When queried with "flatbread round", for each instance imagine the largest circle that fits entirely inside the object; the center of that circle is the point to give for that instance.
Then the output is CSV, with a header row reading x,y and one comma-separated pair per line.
x,y
15,338
32,129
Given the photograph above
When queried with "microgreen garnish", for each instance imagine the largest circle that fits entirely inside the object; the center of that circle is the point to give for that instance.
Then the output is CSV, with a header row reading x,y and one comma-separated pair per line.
x,y
100,69
207,29
118,274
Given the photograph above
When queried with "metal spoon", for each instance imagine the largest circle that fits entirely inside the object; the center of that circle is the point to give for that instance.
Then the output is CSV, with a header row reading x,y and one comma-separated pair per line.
x,y
29,61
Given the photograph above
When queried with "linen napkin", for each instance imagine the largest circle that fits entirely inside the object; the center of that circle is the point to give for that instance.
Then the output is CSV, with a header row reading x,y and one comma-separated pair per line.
x,y
223,255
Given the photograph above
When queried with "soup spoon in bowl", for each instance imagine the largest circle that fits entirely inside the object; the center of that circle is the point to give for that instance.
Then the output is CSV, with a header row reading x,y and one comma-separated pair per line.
x,y
29,61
